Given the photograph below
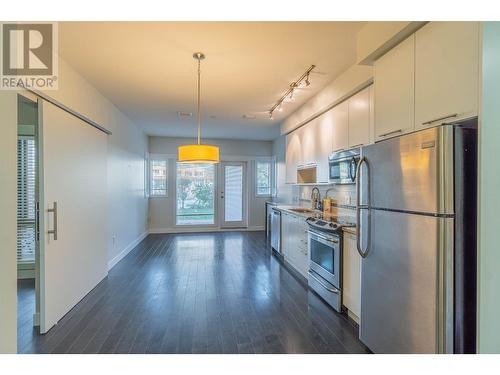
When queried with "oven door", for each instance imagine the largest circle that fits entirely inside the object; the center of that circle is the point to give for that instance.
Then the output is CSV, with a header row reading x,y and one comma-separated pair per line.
x,y
325,258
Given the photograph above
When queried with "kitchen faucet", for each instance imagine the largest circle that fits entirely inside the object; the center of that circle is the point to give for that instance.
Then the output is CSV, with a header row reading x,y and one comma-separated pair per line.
x,y
315,198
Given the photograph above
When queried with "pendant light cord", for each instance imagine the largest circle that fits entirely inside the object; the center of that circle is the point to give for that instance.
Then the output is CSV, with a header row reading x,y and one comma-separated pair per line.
x,y
199,98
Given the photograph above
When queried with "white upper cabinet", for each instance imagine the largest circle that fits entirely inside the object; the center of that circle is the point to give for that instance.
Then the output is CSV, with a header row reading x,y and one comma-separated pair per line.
x,y
446,72
307,134
293,156
339,119
394,91
359,119
323,136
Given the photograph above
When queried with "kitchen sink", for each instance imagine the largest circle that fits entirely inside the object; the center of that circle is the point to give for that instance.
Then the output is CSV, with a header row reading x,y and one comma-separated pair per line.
x,y
302,210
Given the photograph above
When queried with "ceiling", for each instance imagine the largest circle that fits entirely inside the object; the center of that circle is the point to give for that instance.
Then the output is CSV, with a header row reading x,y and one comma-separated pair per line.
x,y
146,69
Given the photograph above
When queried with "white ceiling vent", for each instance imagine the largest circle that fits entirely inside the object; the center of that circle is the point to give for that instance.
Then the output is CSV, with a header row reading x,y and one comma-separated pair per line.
x,y
182,114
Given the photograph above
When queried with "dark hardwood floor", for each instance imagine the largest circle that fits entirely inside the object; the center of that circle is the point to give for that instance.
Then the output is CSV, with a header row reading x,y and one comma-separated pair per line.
x,y
194,293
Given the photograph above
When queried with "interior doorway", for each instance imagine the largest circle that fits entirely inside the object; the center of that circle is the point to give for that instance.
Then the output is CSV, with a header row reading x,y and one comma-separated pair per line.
x,y
28,283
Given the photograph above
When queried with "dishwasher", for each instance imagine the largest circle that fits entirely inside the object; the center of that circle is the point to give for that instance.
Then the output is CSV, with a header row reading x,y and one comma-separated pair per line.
x,y
276,230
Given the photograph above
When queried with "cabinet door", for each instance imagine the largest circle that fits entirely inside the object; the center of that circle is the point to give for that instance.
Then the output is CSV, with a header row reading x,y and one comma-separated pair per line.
x,y
351,286
394,91
339,118
446,72
304,257
292,156
307,134
359,118
324,146
285,231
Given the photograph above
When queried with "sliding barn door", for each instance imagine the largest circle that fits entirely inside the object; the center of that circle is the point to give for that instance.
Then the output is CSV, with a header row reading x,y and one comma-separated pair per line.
x,y
72,211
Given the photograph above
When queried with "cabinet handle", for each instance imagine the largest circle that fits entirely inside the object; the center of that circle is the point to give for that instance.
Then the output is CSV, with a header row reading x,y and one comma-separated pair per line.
x,y
358,145
439,119
331,290
391,133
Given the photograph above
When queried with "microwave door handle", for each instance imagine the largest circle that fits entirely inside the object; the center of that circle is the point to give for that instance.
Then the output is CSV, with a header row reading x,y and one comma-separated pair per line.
x,y
353,162
362,252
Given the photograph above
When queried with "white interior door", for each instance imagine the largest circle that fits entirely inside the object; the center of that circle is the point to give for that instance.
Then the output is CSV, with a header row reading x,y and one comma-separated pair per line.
x,y
73,246
233,194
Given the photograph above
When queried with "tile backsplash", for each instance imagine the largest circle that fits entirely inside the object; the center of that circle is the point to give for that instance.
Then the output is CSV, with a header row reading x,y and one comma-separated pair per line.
x,y
340,194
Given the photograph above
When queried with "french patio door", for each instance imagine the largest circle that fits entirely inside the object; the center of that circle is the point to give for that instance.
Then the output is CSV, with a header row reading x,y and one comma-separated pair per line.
x,y
233,194
73,214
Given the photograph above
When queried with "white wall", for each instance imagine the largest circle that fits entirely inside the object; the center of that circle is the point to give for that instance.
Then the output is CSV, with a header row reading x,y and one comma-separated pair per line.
x,y
489,194
8,194
127,148
162,210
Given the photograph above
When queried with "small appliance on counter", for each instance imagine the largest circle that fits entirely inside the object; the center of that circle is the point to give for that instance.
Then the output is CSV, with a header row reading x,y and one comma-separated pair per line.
x,y
325,266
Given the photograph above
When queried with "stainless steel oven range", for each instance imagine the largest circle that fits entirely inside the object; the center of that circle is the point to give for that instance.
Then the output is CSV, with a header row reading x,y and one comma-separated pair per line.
x,y
325,259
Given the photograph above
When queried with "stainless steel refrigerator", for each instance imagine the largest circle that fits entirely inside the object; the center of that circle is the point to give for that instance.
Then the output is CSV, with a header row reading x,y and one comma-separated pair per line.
x,y
417,210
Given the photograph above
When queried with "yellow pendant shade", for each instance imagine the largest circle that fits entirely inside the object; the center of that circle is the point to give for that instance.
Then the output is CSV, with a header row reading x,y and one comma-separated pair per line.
x,y
198,154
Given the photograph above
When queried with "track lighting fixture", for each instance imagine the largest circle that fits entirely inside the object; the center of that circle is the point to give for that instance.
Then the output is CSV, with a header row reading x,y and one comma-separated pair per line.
x,y
303,81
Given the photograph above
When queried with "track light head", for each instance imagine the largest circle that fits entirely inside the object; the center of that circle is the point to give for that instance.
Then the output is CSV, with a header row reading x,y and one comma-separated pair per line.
x,y
306,82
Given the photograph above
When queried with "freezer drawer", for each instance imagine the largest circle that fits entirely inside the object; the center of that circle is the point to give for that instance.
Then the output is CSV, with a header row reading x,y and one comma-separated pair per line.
x,y
406,290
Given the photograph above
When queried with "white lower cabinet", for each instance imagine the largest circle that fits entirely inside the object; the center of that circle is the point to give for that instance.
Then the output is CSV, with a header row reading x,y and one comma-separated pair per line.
x,y
294,234
351,277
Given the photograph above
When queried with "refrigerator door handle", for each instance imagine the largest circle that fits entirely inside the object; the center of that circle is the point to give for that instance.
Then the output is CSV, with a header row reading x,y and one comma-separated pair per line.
x,y
362,252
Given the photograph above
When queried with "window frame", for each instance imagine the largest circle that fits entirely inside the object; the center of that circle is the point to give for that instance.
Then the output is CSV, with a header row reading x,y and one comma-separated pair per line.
x,y
271,177
158,158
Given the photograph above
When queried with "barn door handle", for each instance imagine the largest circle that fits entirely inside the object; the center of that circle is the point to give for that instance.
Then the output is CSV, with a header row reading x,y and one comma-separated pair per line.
x,y
54,211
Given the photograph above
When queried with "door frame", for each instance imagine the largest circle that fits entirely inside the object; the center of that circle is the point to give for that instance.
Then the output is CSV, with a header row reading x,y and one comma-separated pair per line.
x,y
39,218
220,191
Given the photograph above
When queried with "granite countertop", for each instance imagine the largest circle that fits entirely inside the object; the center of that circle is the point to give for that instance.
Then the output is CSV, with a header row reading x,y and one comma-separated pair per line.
x,y
305,215
351,230
287,209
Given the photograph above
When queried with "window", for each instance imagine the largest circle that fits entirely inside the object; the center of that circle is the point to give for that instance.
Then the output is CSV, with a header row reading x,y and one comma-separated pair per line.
x,y
195,191
263,178
26,198
158,178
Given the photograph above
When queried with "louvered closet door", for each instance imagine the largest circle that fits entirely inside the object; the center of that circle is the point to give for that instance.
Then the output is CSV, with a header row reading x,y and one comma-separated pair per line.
x,y
233,196
73,176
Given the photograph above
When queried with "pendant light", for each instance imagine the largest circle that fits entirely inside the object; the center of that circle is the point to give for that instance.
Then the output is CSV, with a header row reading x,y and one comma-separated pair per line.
x,y
198,153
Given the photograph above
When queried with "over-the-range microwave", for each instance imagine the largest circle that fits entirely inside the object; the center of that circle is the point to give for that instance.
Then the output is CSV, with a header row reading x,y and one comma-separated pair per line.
x,y
342,166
